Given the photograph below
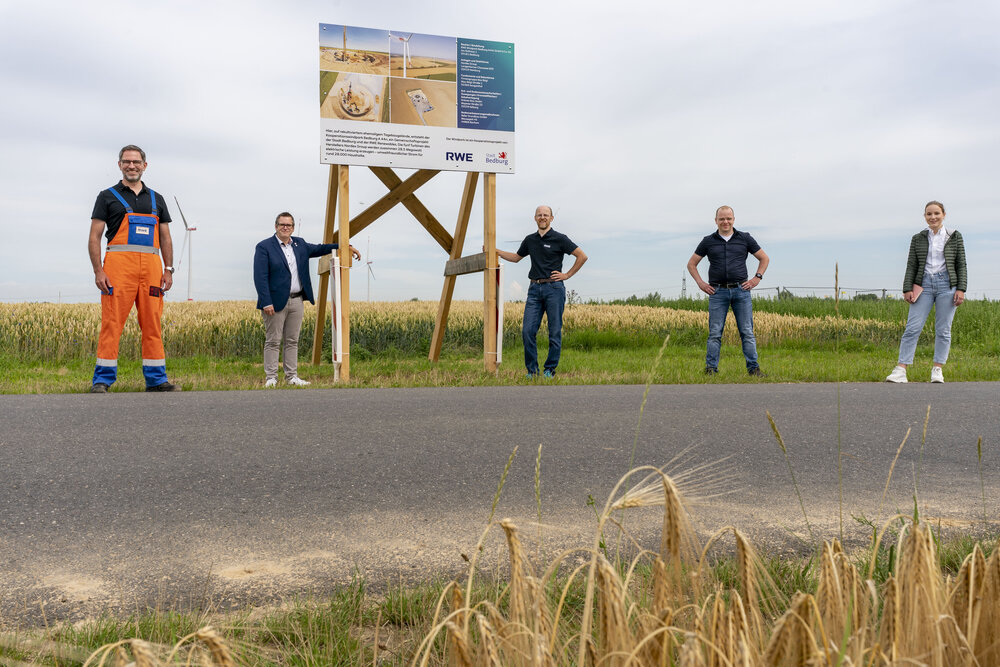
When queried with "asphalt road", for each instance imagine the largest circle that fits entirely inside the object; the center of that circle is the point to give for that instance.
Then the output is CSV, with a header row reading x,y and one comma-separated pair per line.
x,y
233,498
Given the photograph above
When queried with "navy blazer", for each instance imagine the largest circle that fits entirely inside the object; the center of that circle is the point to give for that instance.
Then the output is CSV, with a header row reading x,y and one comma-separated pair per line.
x,y
273,278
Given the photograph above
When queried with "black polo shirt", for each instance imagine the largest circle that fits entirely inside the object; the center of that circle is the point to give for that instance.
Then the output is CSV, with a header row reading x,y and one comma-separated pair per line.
x,y
727,260
546,252
111,211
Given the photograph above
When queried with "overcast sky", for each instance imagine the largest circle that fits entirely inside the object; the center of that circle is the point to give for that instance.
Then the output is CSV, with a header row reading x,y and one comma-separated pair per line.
x,y
826,124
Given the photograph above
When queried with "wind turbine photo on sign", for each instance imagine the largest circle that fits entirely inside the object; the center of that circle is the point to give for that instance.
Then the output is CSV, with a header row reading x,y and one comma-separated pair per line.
x,y
187,242
406,49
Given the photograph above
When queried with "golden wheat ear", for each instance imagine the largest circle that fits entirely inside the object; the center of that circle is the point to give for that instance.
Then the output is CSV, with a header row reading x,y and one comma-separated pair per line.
x,y
216,646
986,644
143,654
964,600
793,641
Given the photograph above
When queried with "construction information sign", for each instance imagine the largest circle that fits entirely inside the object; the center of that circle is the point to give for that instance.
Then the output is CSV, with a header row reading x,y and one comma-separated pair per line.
x,y
391,98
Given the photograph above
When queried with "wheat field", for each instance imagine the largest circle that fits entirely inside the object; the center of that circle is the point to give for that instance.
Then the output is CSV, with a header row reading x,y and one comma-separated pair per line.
x,y
227,329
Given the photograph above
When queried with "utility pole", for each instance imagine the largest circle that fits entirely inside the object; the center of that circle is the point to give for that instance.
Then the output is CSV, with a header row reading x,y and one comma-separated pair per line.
x,y
684,286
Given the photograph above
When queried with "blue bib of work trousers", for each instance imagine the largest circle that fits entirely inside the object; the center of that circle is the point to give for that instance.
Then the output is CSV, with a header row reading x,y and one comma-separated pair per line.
x,y
141,226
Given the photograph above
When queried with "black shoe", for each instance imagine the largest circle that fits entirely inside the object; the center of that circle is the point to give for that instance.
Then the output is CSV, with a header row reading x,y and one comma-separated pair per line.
x,y
98,388
711,371
165,386
757,373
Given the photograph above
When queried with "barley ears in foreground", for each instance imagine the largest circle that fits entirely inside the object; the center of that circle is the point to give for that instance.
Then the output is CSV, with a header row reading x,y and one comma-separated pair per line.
x,y
667,618
204,647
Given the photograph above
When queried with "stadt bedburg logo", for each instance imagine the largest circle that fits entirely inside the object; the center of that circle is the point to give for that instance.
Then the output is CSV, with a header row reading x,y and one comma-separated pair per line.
x,y
499,158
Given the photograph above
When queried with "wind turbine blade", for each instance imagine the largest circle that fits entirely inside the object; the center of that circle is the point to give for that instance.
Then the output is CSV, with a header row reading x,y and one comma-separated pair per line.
x,y
183,219
371,272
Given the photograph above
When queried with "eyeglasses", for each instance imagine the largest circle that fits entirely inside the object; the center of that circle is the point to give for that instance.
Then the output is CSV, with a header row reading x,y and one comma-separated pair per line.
x,y
285,224
137,163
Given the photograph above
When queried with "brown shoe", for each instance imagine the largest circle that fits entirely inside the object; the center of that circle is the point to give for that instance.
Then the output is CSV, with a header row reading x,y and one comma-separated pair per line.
x,y
757,373
98,388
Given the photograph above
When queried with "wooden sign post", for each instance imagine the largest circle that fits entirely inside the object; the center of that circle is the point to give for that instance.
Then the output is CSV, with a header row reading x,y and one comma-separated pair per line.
x,y
402,192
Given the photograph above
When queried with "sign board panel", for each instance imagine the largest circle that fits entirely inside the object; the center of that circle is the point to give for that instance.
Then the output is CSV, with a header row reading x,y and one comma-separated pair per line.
x,y
402,99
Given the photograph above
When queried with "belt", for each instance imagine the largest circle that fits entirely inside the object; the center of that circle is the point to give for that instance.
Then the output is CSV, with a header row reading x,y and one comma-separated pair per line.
x,y
295,295
544,280
726,285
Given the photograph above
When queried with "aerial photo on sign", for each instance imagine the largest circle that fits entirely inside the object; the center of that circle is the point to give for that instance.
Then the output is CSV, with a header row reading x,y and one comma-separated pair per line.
x,y
423,101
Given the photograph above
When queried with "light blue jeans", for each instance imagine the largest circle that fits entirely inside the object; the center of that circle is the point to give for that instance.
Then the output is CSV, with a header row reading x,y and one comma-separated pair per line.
x,y
719,304
940,294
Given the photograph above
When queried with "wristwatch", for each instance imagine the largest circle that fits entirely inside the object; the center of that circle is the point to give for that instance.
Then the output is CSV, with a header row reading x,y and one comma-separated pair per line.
x,y
758,276
169,268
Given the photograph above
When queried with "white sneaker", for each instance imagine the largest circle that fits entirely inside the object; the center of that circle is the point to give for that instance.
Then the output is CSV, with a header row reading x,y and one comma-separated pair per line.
x,y
898,375
937,375
298,382
271,383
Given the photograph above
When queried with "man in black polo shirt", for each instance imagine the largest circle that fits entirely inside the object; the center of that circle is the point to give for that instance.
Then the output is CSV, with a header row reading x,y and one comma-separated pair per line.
x,y
728,286
546,293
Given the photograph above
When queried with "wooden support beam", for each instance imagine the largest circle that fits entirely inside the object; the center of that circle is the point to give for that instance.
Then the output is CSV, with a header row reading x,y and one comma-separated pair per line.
x,y
464,265
461,226
324,280
490,275
344,251
381,207
419,211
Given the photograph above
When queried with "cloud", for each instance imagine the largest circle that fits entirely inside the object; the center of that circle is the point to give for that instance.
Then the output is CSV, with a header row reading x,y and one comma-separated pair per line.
x,y
814,120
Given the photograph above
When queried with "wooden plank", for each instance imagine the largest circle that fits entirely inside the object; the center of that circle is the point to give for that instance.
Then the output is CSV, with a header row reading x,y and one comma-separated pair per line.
x,y
324,281
490,274
464,265
344,250
415,207
448,290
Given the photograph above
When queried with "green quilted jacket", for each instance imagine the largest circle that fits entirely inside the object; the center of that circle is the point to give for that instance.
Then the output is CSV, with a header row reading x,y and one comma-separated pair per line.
x,y
954,259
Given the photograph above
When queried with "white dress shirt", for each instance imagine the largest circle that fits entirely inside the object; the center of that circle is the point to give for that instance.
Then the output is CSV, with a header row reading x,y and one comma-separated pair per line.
x,y
292,265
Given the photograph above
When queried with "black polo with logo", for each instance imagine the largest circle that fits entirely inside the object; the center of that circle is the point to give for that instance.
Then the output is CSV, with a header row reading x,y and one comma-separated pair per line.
x,y
546,252
111,211
727,260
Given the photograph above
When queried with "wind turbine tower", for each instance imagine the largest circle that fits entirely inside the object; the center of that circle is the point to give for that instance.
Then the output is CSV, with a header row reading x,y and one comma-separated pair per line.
x,y
187,242
371,273
406,50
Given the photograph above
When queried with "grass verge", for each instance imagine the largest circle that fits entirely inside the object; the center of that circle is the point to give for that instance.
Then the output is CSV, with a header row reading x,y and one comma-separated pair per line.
x,y
680,365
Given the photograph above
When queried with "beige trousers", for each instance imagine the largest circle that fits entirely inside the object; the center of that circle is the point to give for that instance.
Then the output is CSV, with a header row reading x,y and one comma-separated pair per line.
x,y
283,325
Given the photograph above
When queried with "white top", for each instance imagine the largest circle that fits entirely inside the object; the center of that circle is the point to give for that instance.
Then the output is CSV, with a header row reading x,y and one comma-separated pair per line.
x,y
935,251
726,238
292,265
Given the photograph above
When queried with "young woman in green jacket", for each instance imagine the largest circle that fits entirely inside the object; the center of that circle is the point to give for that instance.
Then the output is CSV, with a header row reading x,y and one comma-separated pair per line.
x,y
935,277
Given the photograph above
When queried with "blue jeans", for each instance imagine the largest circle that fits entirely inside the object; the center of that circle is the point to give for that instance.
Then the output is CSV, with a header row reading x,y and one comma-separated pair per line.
x,y
718,305
548,298
937,292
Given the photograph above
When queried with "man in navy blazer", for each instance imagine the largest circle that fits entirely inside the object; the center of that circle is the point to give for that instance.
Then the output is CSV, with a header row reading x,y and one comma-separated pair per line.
x,y
281,276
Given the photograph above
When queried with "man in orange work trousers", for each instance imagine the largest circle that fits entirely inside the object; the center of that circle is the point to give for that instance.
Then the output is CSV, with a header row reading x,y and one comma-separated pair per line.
x,y
135,221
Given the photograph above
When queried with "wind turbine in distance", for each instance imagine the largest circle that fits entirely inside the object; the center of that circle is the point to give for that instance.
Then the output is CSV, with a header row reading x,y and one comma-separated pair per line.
x,y
187,242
